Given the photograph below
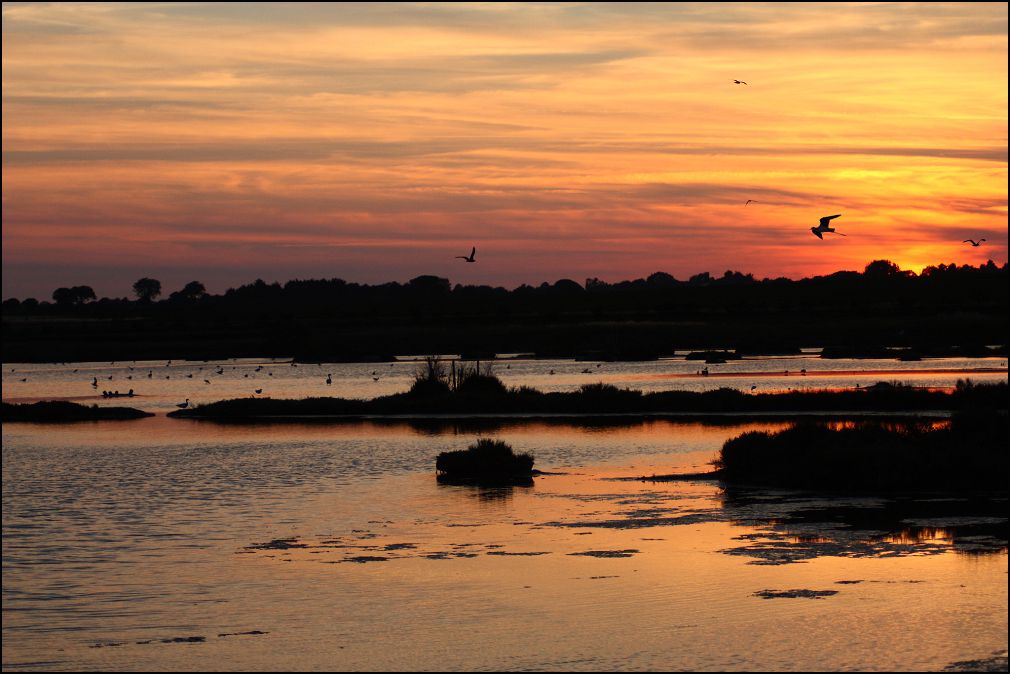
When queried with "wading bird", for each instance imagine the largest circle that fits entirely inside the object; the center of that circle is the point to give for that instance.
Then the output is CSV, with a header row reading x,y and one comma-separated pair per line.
x,y
184,405
825,226
975,244
473,252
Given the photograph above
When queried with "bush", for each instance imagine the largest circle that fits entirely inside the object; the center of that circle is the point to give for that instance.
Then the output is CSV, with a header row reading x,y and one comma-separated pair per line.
x,y
485,462
968,454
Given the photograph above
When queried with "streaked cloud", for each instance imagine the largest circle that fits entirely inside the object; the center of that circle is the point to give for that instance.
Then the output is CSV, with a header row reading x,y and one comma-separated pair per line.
x,y
372,140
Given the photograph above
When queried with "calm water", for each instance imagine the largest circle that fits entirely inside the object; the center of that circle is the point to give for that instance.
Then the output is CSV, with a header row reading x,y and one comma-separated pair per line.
x,y
160,385
332,547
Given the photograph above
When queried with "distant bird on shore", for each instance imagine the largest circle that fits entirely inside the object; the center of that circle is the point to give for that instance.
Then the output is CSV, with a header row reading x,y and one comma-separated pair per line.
x,y
825,226
473,252
375,379
329,379
206,381
259,390
975,244
739,82
184,405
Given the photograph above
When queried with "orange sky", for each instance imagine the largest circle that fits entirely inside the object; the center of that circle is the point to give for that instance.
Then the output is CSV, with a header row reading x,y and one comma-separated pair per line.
x,y
229,142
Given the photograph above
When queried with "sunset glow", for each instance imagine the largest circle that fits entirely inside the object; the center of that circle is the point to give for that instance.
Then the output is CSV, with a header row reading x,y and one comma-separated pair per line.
x,y
229,142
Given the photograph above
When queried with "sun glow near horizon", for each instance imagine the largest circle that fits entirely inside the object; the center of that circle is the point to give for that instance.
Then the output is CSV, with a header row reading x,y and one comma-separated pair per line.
x,y
375,142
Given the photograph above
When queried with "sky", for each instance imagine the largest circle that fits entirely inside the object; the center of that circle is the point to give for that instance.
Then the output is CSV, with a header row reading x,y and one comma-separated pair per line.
x,y
374,142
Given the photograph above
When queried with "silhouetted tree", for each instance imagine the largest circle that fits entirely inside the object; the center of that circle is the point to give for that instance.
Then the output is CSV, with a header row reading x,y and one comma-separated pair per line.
x,y
661,279
68,297
146,289
191,292
63,296
881,269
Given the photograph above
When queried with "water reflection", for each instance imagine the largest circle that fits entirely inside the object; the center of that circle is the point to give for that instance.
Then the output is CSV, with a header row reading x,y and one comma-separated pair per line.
x,y
799,526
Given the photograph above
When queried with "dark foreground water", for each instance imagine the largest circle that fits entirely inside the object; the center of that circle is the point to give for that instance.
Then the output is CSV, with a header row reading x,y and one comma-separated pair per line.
x,y
166,544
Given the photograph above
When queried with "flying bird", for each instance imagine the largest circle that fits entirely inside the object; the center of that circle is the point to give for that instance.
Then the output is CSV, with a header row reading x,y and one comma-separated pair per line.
x,y
825,226
975,244
750,201
473,252
739,82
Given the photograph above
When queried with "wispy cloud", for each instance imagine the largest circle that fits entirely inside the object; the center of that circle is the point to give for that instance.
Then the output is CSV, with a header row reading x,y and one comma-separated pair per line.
x,y
562,135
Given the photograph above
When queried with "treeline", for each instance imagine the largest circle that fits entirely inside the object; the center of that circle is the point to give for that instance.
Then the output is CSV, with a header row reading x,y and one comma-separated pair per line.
x,y
319,319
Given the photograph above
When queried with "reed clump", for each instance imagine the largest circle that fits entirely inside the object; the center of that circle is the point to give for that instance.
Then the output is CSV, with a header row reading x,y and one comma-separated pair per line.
x,y
486,461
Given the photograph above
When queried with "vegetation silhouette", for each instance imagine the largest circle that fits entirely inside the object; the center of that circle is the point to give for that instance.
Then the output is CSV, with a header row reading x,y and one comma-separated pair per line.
x,y
68,297
62,411
484,394
486,462
314,320
147,289
969,454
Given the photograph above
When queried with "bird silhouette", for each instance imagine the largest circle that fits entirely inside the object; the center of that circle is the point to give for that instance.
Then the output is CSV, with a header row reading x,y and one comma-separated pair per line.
x,y
206,381
825,226
739,82
329,379
473,252
183,405
259,390
750,201
975,244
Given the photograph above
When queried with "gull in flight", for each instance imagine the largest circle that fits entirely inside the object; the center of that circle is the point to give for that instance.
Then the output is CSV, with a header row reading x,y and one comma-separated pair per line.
x,y
975,244
473,252
739,82
750,201
825,226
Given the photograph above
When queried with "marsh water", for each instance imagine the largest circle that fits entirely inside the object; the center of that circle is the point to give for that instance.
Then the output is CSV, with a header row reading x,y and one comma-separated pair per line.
x,y
160,385
173,544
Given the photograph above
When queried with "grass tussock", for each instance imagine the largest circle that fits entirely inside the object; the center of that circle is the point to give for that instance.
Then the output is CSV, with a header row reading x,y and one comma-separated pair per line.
x,y
486,461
